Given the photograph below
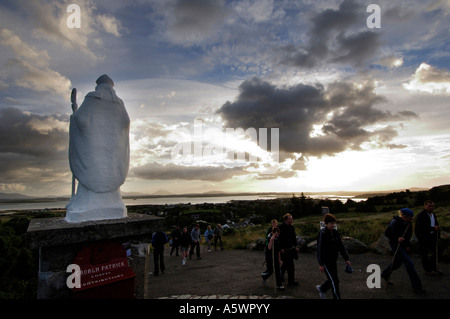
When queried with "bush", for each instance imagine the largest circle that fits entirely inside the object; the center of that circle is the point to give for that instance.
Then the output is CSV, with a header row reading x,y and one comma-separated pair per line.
x,y
18,271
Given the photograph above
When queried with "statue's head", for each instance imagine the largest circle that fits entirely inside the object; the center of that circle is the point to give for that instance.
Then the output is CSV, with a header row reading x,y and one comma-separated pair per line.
x,y
104,79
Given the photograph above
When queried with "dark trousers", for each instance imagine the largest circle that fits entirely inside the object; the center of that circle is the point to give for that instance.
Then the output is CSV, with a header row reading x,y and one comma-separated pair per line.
x,y
288,266
218,238
332,281
270,268
427,250
402,257
175,245
195,245
158,258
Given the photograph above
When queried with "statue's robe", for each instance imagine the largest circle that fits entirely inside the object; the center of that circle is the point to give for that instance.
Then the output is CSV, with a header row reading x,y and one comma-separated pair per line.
x,y
99,156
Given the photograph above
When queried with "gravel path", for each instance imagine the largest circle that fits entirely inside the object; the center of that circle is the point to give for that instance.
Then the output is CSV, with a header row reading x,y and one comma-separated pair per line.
x,y
236,274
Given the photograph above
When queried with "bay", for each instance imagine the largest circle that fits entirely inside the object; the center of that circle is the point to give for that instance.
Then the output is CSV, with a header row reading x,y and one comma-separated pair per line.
x,y
171,200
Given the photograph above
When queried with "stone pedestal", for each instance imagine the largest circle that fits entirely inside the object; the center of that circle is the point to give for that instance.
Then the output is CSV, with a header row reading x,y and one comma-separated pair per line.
x,y
59,242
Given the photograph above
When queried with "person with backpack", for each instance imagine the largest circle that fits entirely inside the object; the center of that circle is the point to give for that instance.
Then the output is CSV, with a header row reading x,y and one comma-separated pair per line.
x,y
399,232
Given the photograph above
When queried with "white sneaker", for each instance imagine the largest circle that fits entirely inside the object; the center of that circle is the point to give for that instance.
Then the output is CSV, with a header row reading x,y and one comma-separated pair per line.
x,y
184,262
321,293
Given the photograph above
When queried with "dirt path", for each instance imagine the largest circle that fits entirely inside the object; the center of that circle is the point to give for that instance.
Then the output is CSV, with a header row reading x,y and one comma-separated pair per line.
x,y
238,272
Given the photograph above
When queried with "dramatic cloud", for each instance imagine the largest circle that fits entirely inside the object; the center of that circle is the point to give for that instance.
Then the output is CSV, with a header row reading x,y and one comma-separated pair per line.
x,y
31,67
193,21
340,93
33,148
429,79
314,120
50,23
172,171
336,36
31,134
110,25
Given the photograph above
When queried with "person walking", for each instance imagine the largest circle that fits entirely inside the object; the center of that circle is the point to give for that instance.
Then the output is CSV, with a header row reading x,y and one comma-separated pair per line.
x,y
329,245
195,241
427,233
185,243
159,239
399,234
272,254
268,253
289,249
176,233
218,236
273,223
209,235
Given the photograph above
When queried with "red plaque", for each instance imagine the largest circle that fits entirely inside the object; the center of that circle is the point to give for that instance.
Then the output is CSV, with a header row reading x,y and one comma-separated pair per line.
x,y
102,264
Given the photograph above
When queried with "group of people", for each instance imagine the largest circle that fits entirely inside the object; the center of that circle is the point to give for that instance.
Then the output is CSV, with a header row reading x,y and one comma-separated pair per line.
x,y
281,249
184,241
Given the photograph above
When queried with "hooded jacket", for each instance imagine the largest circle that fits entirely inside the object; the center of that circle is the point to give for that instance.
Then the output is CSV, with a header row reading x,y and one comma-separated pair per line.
x,y
396,229
329,245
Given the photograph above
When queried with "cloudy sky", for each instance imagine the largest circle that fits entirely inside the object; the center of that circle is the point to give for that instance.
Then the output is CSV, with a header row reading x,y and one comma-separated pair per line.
x,y
245,95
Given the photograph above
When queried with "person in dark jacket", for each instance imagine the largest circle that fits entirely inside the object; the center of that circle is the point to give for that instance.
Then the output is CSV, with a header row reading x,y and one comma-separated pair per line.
x,y
329,245
267,252
176,233
185,244
399,234
272,258
427,233
159,239
289,249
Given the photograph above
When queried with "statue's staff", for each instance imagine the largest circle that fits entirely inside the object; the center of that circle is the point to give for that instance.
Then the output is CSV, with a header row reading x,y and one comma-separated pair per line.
x,y
73,99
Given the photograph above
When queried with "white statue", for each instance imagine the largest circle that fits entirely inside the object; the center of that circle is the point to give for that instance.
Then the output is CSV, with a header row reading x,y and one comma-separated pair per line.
x,y
99,154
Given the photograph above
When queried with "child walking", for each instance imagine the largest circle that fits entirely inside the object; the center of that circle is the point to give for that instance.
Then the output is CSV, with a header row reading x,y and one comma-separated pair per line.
x,y
273,258
329,245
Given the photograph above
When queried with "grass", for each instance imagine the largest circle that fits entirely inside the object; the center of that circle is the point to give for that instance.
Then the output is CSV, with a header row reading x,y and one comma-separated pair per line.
x,y
366,227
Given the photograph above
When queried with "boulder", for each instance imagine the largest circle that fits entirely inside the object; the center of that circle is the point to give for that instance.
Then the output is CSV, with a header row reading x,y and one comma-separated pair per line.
x,y
312,247
382,246
259,244
301,243
354,246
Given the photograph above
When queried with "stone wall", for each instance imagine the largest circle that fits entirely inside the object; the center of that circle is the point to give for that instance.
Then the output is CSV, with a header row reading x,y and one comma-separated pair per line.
x,y
59,242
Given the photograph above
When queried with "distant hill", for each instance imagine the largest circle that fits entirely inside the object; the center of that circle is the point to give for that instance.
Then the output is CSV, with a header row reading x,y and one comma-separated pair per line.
x,y
14,196
162,192
382,193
